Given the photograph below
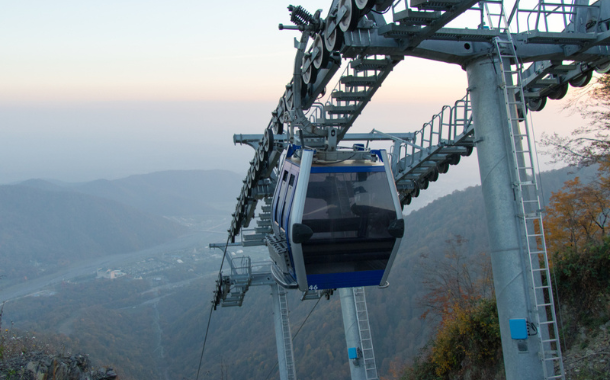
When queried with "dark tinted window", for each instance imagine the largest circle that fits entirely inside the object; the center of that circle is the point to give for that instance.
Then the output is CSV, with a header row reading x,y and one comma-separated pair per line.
x,y
340,205
287,199
349,214
280,196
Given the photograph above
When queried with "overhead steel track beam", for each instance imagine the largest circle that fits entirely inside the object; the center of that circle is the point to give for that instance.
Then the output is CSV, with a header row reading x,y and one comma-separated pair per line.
x,y
437,24
253,139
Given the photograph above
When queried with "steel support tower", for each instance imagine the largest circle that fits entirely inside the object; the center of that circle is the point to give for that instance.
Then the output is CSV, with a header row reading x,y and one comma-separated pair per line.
x,y
495,166
514,62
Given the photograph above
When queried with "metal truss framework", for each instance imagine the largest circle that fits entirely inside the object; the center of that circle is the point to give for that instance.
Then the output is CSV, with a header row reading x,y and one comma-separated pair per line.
x,y
557,58
550,46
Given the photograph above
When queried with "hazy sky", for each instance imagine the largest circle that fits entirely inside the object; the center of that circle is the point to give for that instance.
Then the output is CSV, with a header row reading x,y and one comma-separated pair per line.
x,y
110,88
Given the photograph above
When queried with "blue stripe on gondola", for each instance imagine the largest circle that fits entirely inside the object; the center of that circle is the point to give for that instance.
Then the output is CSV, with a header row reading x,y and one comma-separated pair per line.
x,y
347,169
344,280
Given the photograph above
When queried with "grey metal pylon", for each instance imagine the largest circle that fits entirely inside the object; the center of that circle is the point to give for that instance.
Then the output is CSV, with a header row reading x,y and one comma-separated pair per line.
x,y
352,334
510,278
530,212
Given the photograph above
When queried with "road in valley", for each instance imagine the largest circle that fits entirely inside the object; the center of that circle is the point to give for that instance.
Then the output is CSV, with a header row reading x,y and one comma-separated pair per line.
x,y
88,267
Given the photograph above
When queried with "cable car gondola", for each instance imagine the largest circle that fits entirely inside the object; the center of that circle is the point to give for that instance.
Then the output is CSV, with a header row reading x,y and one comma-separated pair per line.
x,y
337,223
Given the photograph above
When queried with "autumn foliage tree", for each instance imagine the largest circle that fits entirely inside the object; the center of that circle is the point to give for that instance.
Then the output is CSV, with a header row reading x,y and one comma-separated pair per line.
x,y
458,280
460,295
579,213
576,229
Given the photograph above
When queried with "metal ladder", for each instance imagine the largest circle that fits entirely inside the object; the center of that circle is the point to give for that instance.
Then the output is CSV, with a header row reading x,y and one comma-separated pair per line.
x,y
362,315
530,213
286,335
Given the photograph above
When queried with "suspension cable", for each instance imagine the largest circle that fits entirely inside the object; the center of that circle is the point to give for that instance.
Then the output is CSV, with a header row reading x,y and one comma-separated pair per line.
x,y
205,337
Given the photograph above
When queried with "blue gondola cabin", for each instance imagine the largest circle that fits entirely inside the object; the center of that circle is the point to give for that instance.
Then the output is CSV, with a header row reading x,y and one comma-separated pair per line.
x,y
336,223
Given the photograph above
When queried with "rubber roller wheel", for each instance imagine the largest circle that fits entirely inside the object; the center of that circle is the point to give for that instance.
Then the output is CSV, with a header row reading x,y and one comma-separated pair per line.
x,y
559,92
310,74
415,192
259,160
278,126
443,167
603,68
281,106
424,183
289,100
350,18
266,146
263,142
582,80
536,104
322,55
364,4
454,159
269,134
332,39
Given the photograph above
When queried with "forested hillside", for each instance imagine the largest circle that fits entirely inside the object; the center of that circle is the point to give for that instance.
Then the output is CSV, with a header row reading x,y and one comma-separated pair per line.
x,y
243,339
467,343
150,327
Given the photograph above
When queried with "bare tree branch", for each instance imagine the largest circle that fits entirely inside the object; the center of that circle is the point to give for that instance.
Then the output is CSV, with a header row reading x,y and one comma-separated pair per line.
x,y
590,143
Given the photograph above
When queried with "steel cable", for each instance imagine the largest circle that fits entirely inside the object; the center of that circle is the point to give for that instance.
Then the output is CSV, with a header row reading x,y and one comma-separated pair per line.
x,y
205,337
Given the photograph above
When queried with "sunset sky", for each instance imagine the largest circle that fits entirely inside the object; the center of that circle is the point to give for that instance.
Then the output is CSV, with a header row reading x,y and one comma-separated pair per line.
x,y
111,88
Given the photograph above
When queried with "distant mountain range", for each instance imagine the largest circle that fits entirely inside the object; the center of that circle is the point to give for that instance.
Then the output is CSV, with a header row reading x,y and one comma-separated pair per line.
x,y
166,193
46,224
